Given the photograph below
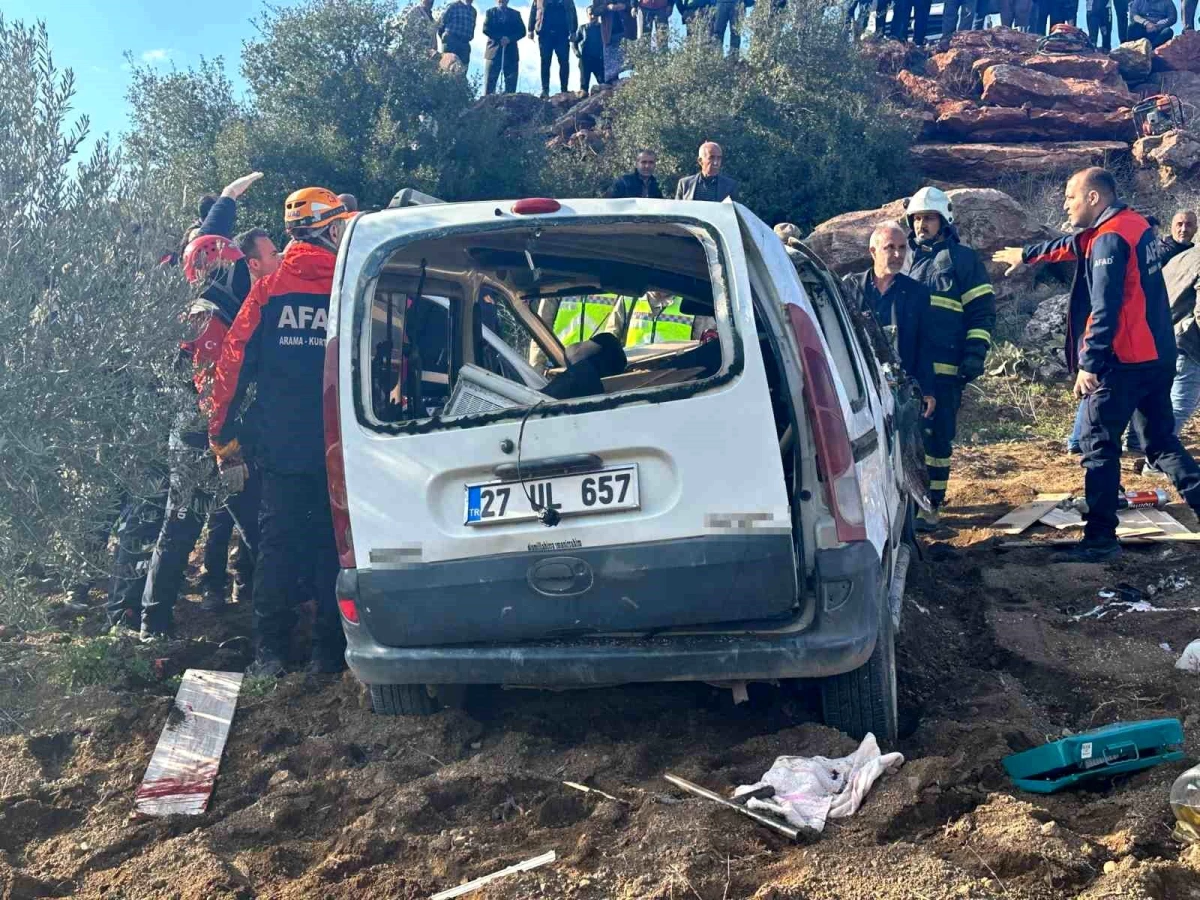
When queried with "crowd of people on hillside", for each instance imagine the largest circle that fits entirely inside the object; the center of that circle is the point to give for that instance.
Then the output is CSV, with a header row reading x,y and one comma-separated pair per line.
x,y
555,28
1133,19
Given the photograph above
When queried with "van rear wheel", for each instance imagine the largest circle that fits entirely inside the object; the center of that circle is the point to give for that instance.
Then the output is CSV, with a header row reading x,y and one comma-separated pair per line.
x,y
402,700
865,699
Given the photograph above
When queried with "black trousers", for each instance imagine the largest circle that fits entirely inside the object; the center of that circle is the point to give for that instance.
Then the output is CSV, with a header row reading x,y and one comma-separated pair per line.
x,y
588,67
505,61
1099,24
1121,16
137,530
1139,398
219,536
939,436
1189,15
918,10
1136,31
296,539
551,46
182,522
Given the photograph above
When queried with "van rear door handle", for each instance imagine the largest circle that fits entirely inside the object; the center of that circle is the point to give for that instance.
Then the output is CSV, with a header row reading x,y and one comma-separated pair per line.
x,y
549,465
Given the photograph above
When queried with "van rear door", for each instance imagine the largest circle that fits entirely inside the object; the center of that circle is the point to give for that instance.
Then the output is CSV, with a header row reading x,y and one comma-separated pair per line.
x,y
664,478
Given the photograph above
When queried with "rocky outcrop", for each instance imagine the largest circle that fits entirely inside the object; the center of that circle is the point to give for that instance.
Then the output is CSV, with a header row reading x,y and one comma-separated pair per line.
x,y
1045,336
1015,86
986,220
955,65
991,39
1185,86
963,120
1135,60
921,91
1180,54
520,112
1090,67
890,57
993,164
1176,156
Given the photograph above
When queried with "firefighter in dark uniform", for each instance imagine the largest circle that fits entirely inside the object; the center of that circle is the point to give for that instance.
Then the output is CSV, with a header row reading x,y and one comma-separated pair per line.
x,y
1121,344
962,313
277,342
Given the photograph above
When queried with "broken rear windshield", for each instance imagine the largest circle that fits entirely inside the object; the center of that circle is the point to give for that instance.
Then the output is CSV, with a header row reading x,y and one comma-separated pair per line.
x,y
482,322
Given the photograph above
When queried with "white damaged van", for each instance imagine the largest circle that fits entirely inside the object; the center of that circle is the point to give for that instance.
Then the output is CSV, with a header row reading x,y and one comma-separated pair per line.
x,y
530,488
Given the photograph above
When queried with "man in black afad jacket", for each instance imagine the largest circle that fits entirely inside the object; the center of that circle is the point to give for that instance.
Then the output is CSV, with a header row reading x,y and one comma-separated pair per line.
x,y
640,182
963,313
900,305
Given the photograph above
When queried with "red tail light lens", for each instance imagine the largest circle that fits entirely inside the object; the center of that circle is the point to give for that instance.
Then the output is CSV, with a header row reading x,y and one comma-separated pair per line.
x,y
835,457
535,206
349,610
335,464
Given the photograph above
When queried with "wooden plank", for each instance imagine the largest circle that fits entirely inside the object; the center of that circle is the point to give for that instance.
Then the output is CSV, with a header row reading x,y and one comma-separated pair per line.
x,y
180,777
1155,537
1062,518
1165,521
1133,523
1022,517
503,873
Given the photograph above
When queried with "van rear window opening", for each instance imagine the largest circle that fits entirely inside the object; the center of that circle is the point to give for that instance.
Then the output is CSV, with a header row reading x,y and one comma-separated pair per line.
x,y
479,322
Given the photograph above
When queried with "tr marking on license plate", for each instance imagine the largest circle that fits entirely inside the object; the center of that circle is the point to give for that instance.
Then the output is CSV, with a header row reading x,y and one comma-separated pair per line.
x,y
606,490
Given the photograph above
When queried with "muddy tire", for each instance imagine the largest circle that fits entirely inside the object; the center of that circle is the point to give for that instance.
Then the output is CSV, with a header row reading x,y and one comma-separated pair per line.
x,y
401,700
865,699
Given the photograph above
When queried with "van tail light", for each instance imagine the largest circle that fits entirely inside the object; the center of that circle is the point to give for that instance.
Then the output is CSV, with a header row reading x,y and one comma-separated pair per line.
x,y
835,456
335,464
349,609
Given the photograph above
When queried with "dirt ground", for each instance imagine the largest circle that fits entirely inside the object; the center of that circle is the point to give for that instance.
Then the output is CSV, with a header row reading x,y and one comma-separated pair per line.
x,y
318,798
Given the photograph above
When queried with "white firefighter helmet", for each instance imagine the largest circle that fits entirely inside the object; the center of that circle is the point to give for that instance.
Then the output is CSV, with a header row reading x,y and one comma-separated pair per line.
x,y
929,199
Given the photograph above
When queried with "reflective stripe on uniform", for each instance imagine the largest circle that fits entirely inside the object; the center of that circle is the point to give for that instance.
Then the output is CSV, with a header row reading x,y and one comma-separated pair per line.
x,y
944,369
974,292
945,302
938,485
980,334
942,461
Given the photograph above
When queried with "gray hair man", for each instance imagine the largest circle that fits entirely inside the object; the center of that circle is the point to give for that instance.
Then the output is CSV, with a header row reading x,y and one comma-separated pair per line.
x,y
708,184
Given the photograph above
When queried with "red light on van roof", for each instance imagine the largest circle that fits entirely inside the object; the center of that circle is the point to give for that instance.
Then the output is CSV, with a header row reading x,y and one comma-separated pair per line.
x,y
535,206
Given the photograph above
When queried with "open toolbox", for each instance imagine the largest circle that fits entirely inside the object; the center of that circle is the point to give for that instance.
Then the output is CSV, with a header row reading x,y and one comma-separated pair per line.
x,y
1112,750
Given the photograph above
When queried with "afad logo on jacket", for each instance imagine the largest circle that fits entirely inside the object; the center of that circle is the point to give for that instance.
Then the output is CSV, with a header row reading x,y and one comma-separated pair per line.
x,y
305,318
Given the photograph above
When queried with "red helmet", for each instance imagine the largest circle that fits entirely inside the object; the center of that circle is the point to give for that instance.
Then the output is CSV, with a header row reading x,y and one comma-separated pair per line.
x,y
205,253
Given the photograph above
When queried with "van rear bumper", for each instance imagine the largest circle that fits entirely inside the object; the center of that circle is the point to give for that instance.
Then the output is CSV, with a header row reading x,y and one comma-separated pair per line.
x,y
839,639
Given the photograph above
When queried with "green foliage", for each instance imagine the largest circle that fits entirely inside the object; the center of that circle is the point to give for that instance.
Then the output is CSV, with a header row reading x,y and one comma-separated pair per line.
x,y
799,118
88,324
107,660
336,98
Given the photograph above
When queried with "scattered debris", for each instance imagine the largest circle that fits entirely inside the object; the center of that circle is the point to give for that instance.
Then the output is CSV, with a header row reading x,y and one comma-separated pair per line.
x,y
469,886
1140,517
1022,517
1189,660
808,790
686,785
574,785
181,774
1113,750
1168,584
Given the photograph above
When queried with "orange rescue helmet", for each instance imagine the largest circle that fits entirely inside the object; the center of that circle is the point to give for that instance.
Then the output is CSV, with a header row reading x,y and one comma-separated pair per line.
x,y
313,207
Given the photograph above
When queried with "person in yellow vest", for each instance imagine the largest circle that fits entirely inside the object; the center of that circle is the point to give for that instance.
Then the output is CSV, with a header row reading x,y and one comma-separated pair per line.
x,y
652,319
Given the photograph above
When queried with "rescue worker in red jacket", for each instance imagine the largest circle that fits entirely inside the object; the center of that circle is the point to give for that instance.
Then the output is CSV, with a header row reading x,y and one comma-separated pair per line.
x,y
1121,342
277,342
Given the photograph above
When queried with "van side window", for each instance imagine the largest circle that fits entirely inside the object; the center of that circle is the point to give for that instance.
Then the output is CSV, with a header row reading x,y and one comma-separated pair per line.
x,y
411,363
839,334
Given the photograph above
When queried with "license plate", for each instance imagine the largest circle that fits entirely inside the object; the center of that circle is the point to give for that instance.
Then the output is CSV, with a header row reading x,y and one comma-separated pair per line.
x,y
608,490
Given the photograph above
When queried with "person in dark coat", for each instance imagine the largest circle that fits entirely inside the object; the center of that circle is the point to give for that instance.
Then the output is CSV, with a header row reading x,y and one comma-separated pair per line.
x,y
708,184
588,41
901,306
552,22
640,182
1121,344
1153,19
504,29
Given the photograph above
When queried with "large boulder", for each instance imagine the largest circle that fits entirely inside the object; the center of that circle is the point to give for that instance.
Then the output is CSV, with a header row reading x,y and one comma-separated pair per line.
x,y
1135,60
519,111
985,219
921,91
891,57
581,116
991,39
1016,86
993,164
965,121
1180,54
954,67
1045,336
1090,67
1175,154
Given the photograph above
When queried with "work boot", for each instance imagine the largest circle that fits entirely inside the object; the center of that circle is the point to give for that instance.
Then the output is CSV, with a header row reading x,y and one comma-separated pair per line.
x,y
1095,550
267,664
545,95
213,600
928,521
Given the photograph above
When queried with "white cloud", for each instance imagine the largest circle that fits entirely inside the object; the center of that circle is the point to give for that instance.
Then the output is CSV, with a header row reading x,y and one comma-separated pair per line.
x,y
155,56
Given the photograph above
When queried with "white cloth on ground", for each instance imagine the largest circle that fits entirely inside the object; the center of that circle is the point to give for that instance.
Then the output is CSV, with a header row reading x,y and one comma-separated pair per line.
x,y
810,789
